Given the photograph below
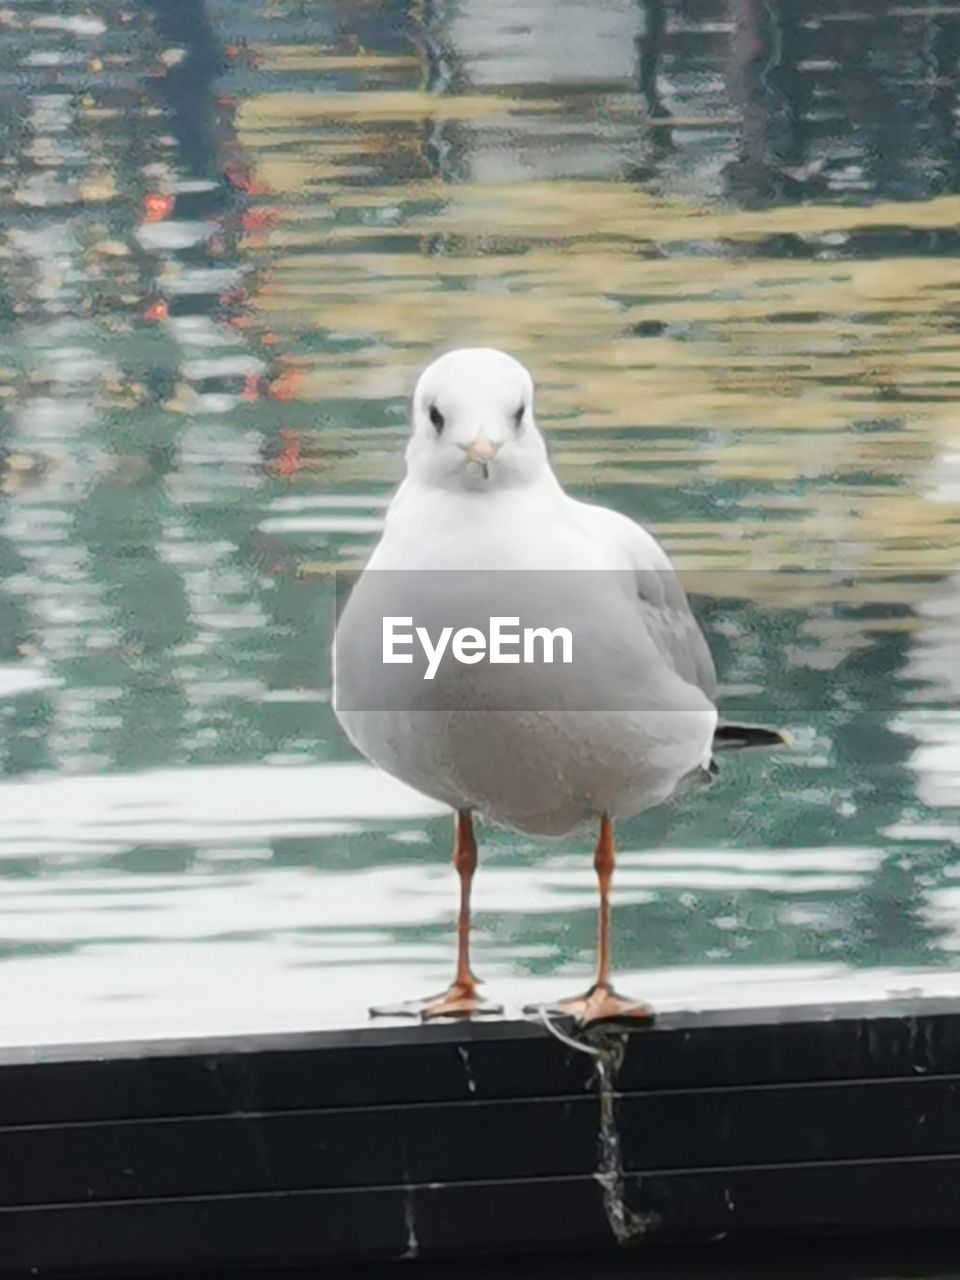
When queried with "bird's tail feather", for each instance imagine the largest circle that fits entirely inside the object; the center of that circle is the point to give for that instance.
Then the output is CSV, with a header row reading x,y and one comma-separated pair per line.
x,y
734,737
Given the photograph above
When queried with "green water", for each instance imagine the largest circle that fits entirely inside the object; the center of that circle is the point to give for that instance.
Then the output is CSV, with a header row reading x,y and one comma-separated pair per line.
x,y
723,238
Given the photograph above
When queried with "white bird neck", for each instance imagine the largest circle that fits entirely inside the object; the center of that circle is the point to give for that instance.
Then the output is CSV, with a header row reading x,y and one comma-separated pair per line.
x,y
471,529
478,504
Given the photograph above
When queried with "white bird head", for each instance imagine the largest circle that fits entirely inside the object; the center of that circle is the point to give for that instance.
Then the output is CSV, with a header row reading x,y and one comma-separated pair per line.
x,y
473,423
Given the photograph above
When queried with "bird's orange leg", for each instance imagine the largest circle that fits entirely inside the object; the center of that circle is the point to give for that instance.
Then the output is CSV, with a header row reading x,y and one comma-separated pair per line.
x,y
600,1002
460,1000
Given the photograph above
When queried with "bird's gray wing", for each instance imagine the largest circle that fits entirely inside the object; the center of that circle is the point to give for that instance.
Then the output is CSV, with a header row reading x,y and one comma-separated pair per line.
x,y
664,607
671,624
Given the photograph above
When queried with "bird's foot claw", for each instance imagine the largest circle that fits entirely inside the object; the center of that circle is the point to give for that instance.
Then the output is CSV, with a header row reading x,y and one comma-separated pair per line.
x,y
460,1000
600,1004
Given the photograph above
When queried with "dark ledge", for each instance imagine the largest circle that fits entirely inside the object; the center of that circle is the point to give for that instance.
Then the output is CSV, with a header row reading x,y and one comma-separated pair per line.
x,y
181,1157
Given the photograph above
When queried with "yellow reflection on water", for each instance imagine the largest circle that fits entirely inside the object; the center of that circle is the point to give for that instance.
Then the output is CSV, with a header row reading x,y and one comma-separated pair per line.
x,y
664,335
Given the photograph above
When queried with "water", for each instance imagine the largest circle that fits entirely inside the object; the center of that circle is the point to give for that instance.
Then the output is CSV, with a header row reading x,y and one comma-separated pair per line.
x,y
723,236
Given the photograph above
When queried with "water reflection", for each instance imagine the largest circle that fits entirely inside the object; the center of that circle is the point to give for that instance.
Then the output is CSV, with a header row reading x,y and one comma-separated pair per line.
x,y
723,235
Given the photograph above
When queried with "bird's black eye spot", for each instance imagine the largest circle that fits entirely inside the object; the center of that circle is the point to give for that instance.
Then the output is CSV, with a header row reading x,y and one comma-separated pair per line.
x,y
518,417
436,417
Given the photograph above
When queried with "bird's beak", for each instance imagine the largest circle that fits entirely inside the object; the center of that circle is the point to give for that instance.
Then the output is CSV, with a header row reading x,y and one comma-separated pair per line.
x,y
483,452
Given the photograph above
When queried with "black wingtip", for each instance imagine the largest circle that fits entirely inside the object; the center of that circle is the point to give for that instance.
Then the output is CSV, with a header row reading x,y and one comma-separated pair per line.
x,y
734,737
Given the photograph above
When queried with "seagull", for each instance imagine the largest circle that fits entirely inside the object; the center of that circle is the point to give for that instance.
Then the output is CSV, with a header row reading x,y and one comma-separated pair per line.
x,y
481,528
